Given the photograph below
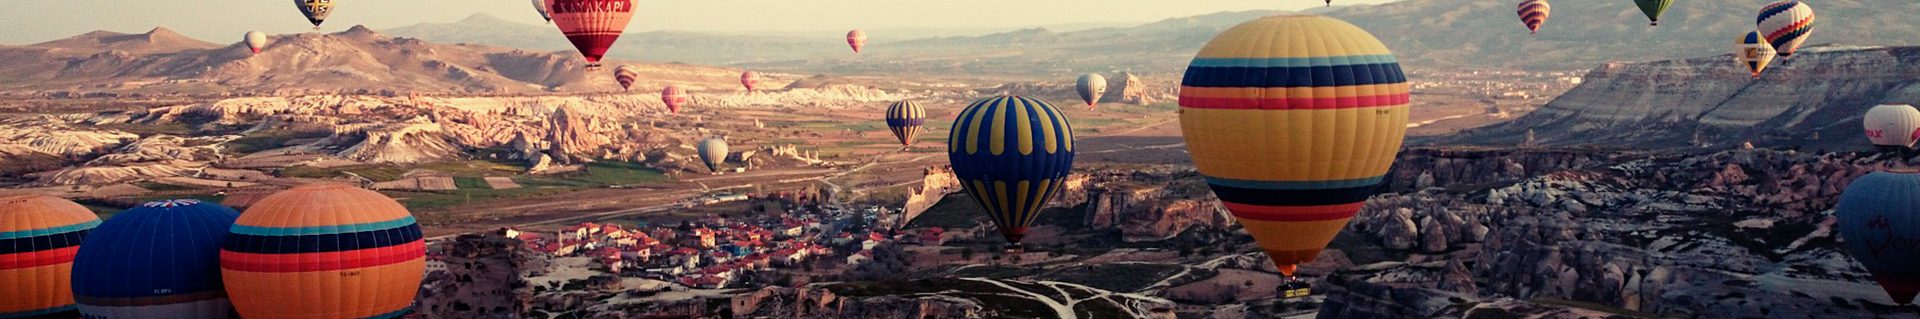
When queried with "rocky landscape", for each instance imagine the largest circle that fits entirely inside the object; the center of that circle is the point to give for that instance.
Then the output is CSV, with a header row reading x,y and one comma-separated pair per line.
x,y
1813,101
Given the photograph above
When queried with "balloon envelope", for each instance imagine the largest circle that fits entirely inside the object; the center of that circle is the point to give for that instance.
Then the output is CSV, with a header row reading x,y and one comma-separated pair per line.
x,y
1753,53
157,260
857,39
905,119
592,25
1879,218
750,79
316,11
1091,87
1533,14
1010,154
626,75
713,152
1653,9
1892,125
1294,121
540,6
355,254
255,40
674,97
39,235
1786,24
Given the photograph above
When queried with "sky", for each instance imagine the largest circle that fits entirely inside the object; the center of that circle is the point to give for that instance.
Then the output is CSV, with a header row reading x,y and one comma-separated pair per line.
x,y
30,21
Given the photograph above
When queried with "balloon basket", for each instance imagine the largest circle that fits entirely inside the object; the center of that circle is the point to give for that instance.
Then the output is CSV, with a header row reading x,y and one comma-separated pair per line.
x,y
1293,288
1013,249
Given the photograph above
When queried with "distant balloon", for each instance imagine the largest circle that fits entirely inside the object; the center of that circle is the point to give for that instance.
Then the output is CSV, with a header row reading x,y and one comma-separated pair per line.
x,y
39,236
255,40
352,252
1653,9
592,25
1011,154
1753,53
857,39
1892,125
1879,218
1533,13
1294,121
540,6
750,79
674,97
1091,87
1786,24
905,119
176,245
713,152
1329,3
315,10
626,75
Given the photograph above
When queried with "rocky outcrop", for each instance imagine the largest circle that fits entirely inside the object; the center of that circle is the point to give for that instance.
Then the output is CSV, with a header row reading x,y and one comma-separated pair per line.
x,y
484,278
1132,90
1146,212
160,148
571,136
936,184
1811,101
398,143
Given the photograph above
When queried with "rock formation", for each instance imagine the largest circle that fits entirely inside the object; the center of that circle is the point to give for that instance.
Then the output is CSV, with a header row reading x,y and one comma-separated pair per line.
x,y
484,278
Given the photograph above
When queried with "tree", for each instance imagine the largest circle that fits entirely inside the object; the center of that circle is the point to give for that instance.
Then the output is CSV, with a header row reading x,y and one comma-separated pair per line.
x,y
966,253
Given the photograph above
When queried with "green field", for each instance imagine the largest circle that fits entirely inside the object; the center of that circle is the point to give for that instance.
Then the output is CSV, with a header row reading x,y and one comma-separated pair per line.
x,y
619,173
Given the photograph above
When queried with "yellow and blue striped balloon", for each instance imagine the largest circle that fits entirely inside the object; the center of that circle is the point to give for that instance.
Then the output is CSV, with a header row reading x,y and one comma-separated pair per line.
x,y
1294,121
905,119
1010,154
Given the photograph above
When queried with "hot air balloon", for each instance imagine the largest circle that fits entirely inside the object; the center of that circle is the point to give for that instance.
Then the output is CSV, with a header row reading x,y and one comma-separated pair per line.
x,y
592,25
255,40
1892,126
626,75
157,260
673,96
1786,24
904,118
1879,217
1653,9
1329,3
540,6
857,39
315,10
39,236
354,254
1010,154
713,152
1534,13
1091,87
1294,120
750,79
1753,53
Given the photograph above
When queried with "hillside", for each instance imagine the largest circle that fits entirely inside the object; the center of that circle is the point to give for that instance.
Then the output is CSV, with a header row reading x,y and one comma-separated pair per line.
x,y
1424,33
1813,100
358,60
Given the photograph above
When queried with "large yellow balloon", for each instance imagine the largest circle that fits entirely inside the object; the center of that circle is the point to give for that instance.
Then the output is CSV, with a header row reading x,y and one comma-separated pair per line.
x,y
1294,120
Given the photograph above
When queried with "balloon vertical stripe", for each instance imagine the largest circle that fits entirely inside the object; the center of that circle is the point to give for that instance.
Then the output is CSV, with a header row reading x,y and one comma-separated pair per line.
x,y
1753,52
1653,9
39,238
157,260
1091,87
1010,154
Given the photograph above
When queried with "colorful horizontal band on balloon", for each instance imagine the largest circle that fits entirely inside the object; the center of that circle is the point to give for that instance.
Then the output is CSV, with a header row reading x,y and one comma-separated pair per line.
x,y
1296,62
321,243
403,221
54,312
1304,197
327,261
39,258
1783,36
1293,236
1293,213
40,243
149,301
1282,103
1293,145
1295,185
1322,76
1775,9
47,230
384,291
1293,257
1011,167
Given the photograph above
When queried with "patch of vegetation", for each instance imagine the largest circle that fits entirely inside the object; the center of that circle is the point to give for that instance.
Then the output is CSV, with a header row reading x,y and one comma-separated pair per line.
x,y
464,182
262,142
162,187
169,128
421,201
1118,277
619,173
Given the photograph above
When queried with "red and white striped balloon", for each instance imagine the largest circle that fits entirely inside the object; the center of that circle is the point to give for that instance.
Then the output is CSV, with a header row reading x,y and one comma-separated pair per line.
x,y
592,25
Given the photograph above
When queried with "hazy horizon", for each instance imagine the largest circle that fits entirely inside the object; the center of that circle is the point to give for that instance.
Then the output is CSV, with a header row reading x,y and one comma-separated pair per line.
x,y
34,22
